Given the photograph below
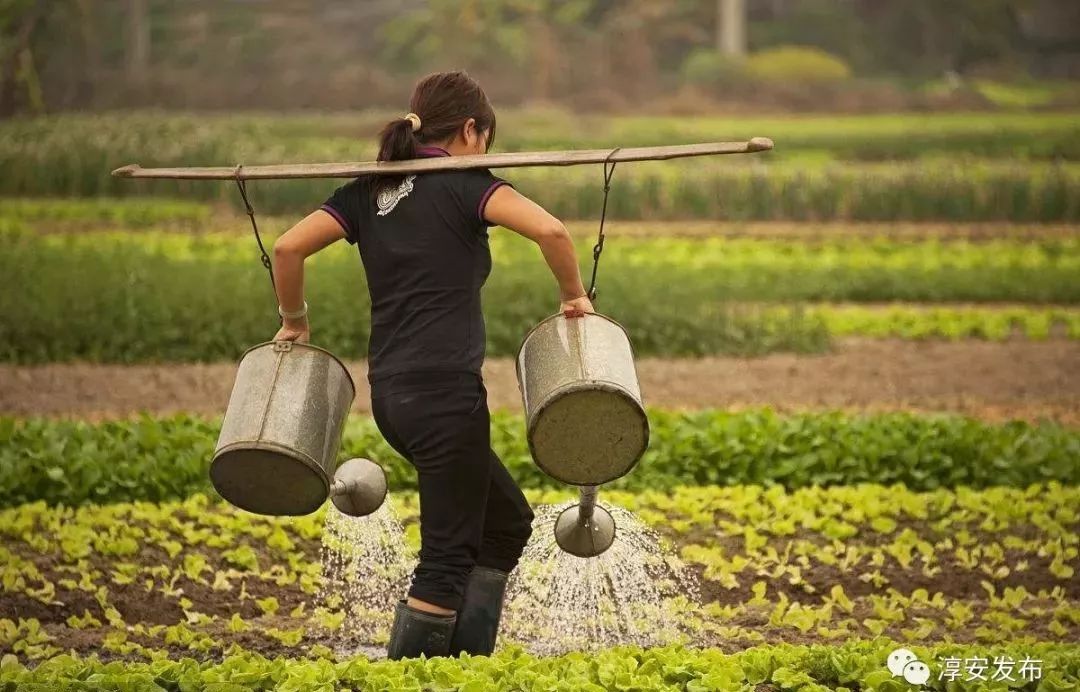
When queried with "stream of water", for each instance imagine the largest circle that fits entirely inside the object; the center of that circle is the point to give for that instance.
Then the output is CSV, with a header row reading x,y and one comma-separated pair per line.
x,y
366,567
636,592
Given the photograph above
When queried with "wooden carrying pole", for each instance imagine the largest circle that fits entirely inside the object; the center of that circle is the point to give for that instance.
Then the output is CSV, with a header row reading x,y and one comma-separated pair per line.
x,y
440,163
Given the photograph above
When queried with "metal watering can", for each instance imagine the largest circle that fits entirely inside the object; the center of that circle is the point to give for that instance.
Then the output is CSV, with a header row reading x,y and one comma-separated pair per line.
x,y
585,421
282,431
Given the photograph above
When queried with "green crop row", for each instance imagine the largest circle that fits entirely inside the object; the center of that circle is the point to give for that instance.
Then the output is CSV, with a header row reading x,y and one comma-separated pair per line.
x,y
905,321
715,254
853,665
863,138
754,190
155,291
208,139
211,580
943,321
133,213
760,191
73,155
163,213
154,459
914,565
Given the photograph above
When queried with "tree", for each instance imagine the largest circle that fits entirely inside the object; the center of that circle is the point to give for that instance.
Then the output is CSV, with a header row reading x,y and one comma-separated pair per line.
x,y
731,27
18,21
138,41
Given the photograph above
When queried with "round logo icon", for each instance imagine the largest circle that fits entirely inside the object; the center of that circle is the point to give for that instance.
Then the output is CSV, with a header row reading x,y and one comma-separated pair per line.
x,y
916,672
898,659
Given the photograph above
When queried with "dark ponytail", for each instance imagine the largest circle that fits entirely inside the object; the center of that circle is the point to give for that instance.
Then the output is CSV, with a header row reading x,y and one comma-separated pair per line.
x,y
397,141
443,101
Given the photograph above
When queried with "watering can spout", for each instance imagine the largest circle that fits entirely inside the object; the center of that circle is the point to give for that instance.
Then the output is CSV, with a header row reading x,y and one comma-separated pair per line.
x,y
359,487
586,529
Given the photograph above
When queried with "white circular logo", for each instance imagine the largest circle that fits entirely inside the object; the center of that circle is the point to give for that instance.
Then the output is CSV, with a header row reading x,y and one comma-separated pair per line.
x,y
916,672
898,659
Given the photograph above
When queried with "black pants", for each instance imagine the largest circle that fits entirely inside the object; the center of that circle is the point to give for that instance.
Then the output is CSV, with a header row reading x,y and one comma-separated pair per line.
x,y
471,510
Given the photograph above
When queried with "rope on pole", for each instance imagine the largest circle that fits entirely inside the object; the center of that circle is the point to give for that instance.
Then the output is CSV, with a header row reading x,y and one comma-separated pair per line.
x,y
255,227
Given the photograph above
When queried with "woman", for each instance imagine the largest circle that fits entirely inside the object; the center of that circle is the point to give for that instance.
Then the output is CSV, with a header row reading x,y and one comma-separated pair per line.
x,y
423,241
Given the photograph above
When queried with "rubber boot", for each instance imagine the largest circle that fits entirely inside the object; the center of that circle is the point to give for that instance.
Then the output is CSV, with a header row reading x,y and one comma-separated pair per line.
x,y
418,632
481,610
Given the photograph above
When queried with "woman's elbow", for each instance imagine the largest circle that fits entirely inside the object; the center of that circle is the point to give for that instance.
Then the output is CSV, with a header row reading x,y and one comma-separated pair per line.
x,y
556,230
284,249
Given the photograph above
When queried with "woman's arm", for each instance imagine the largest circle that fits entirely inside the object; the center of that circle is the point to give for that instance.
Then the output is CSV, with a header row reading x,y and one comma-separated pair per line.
x,y
314,232
509,208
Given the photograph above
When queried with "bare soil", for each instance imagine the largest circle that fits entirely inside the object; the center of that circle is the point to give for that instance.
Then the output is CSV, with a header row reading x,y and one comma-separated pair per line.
x,y
993,381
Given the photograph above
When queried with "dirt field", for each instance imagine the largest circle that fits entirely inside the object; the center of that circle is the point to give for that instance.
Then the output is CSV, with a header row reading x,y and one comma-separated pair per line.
x,y
993,381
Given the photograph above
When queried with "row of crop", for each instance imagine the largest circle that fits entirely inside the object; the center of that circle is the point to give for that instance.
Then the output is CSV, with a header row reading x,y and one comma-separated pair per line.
x,y
929,255
853,665
127,213
888,538
947,322
854,138
209,139
153,214
756,190
1000,532
997,531
161,294
982,565
73,462
859,269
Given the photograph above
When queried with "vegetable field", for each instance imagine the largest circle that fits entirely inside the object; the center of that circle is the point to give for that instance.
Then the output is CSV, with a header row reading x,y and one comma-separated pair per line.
x,y
809,566
860,357
742,296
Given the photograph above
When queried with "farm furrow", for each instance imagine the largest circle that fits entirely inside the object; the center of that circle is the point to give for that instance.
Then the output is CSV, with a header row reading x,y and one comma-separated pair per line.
x,y
810,565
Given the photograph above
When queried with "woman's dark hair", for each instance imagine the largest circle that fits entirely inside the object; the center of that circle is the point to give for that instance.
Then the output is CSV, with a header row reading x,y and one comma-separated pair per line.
x,y
443,101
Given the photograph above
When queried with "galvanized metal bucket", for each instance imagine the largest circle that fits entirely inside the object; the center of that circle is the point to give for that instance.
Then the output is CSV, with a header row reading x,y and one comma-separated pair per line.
x,y
585,421
282,429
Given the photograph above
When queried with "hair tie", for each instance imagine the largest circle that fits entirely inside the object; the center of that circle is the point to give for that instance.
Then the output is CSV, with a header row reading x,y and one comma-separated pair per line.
x,y
414,119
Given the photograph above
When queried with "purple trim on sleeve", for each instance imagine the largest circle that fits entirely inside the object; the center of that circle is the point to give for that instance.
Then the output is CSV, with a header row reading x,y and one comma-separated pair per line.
x,y
483,200
432,151
337,215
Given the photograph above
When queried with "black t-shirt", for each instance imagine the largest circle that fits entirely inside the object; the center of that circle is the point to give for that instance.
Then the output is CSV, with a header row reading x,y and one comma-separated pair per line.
x,y
424,247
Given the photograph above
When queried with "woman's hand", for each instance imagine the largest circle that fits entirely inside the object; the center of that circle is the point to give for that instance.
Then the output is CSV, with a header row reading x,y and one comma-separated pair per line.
x,y
294,330
576,307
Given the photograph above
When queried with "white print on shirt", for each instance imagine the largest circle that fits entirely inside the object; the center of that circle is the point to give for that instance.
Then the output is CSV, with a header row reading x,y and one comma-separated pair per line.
x,y
388,198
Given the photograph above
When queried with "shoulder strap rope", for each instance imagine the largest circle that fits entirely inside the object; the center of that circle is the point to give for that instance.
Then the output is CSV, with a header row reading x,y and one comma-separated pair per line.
x,y
599,247
241,184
